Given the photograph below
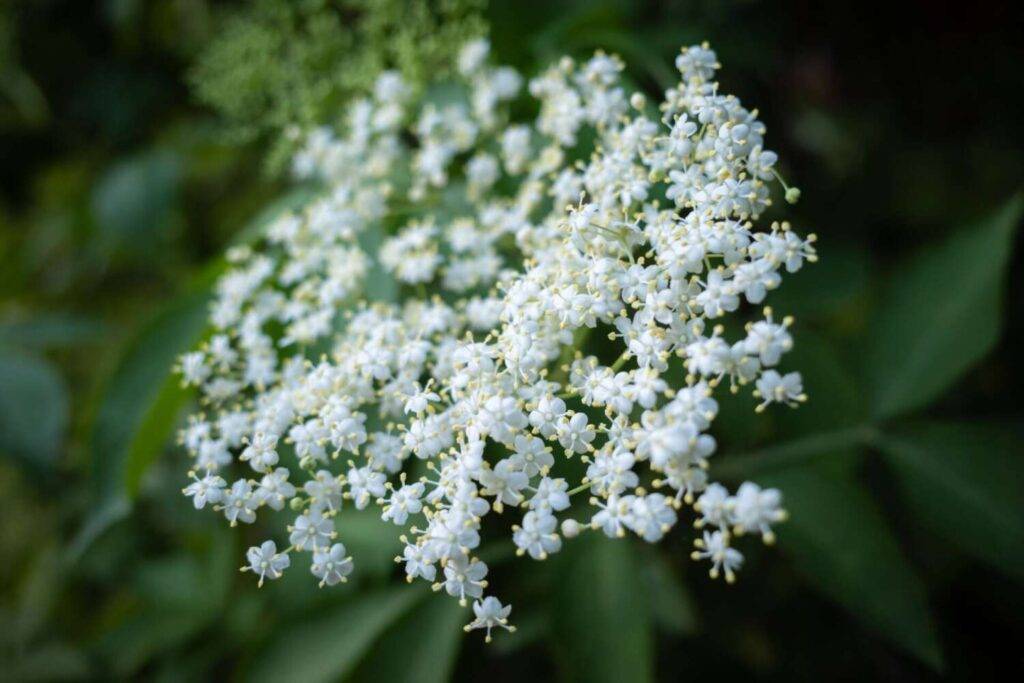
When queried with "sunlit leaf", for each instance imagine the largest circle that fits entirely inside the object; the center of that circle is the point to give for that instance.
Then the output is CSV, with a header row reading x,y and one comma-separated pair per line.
x,y
941,314
964,482
839,540
329,646
601,613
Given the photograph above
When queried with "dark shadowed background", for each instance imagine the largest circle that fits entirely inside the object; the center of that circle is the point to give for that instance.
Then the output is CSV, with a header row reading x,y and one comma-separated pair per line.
x,y
139,138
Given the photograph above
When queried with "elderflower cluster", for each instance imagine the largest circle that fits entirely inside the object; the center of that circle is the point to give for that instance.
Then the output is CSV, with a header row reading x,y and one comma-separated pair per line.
x,y
515,245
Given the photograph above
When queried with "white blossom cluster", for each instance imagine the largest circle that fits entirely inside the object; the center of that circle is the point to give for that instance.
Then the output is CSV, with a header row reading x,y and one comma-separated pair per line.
x,y
513,244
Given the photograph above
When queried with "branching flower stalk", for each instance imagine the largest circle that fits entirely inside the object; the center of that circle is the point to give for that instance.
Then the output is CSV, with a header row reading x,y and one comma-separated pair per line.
x,y
472,401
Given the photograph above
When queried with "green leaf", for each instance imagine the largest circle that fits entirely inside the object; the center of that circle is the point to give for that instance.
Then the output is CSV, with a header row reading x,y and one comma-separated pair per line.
x,y
380,285
125,424
963,482
671,604
369,538
143,398
835,400
50,330
941,315
329,646
825,289
50,662
791,453
293,200
839,540
172,583
422,647
601,613
33,408
136,198
145,636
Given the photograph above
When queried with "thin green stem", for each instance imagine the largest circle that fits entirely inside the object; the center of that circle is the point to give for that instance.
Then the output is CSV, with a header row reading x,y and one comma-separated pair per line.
x,y
617,365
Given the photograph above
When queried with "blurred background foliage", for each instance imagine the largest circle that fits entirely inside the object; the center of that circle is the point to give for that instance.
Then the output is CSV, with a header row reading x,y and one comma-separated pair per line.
x,y
139,139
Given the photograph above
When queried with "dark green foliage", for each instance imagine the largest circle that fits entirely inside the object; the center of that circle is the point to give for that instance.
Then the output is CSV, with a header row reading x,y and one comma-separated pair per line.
x,y
120,190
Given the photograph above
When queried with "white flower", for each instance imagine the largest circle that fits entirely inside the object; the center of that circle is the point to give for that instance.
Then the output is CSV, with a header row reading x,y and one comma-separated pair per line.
x,y
776,388
365,485
713,505
513,241
261,452
755,510
575,434
194,370
490,614
209,489
266,562
515,148
537,534
417,563
551,495
464,578
715,547
768,340
544,417
613,516
652,517
311,531
473,55
417,402
324,491
402,503
240,503
504,482
449,535
274,489
331,566
531,455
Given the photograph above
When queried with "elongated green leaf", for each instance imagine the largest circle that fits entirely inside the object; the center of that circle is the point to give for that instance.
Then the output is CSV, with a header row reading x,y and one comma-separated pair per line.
x,y
601,613
422,647
671,605
834,396
840,541
328,647
790,453
827,289
964,482
143,637
942,313
143,399
136,384
33,408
